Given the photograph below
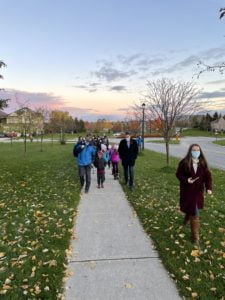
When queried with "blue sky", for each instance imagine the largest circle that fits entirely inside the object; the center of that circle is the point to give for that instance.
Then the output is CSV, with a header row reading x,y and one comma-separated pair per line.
x,y
93,58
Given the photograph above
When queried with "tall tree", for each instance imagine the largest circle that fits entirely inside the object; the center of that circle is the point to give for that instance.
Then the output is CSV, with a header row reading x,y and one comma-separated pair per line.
x,y
167,100
215,116
3,102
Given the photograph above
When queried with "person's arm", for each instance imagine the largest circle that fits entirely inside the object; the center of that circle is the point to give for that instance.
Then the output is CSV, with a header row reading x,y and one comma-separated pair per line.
x,y
180,173
135,149
93,154
120,149
208,181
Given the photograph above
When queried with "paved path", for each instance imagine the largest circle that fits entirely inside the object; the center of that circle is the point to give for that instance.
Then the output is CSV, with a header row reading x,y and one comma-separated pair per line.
x,y
113,259
215,154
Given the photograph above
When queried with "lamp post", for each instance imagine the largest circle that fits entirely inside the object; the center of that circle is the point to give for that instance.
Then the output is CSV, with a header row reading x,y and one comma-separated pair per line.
x,y
216,133
143,125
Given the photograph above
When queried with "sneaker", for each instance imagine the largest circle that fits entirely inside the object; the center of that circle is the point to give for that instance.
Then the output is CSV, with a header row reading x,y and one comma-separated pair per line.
x,y
102,186
86,191
98,186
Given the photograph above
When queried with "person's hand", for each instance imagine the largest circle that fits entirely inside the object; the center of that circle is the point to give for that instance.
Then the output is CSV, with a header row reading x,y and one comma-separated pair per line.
x,y
82,146
209,192
190,180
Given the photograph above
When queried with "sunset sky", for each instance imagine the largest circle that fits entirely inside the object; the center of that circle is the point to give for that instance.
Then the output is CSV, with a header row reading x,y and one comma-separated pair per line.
x,y
94,57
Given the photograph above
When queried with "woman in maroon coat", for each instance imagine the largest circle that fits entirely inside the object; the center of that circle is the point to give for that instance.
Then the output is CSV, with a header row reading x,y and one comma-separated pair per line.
x,y
194,176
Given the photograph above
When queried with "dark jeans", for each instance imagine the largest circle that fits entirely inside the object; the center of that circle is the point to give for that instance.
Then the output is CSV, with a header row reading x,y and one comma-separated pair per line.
x,y
129,172
115,170
100,178
85,175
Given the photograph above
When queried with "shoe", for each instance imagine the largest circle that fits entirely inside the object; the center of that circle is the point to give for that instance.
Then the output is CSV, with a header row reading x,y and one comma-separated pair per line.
x,y
86,191
131,188
102,186
98,186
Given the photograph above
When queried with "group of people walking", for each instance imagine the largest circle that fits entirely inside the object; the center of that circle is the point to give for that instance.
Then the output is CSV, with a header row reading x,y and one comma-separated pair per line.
x,y
97,152
192,172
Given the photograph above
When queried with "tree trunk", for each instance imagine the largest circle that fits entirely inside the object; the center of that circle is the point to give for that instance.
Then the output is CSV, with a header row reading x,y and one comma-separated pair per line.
x,y
167,151
41,141
25,142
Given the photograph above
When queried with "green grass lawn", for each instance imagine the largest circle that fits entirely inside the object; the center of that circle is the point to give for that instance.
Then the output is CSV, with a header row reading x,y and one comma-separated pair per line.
x,y
198,132
156,202
221,142
173,142
39,194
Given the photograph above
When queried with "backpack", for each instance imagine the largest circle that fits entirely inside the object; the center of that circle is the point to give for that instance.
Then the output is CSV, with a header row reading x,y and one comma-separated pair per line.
x,y
77,149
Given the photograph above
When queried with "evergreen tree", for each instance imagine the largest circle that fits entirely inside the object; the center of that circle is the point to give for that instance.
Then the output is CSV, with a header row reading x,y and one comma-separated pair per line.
x,y
215,116
3,102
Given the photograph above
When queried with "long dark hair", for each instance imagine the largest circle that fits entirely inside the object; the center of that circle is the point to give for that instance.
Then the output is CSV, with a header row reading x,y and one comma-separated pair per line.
x,y
188,158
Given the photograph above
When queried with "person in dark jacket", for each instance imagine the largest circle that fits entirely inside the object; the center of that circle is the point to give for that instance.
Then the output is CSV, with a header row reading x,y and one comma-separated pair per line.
x,y
128,151
195,177
100,164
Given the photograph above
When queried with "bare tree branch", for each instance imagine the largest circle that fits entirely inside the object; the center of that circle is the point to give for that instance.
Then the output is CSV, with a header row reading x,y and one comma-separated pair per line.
x,y
167,100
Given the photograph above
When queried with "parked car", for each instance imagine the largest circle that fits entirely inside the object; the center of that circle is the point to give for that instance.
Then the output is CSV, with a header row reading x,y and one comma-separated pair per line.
x,y
118,134
11,134
2,135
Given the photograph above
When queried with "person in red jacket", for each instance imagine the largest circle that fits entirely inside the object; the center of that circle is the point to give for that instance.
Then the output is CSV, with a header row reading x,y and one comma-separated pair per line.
x,y
195,177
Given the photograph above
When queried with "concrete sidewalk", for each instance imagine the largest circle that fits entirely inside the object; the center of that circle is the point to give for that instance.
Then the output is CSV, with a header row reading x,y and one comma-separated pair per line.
x,y
112,256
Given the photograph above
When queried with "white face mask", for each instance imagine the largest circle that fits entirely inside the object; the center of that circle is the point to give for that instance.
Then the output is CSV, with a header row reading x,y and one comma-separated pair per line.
x,y
128,138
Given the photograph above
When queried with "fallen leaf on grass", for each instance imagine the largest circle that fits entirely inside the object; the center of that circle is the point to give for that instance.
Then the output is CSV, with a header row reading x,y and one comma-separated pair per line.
x,y
25,286
37,290
195,253
7,281
194,295
38,214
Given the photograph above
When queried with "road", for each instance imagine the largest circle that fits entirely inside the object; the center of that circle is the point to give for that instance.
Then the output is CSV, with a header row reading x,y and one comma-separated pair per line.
x,y
214,154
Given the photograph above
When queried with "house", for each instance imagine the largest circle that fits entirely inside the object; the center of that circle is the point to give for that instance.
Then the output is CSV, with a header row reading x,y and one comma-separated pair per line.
x,y
218,125
2,117
22,120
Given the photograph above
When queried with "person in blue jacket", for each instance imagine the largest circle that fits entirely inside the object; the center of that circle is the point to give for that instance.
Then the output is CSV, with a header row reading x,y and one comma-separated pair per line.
x,y
85,151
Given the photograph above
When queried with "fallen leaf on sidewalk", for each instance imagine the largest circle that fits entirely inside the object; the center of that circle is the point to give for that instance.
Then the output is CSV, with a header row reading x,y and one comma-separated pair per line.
x,y
68,273
92,265
134,214
128,285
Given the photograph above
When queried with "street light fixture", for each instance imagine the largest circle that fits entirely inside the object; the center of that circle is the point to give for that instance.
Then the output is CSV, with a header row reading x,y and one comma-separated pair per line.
x,y
143,125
